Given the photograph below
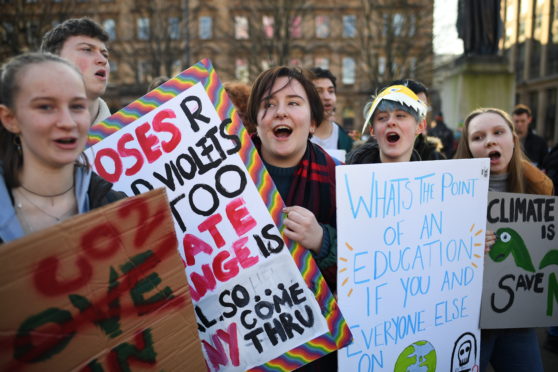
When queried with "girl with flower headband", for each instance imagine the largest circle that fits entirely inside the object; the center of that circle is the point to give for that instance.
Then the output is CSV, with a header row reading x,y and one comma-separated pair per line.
x,y
395,117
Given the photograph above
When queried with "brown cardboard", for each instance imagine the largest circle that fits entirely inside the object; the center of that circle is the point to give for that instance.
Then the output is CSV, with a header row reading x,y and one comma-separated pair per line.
x,y
154,327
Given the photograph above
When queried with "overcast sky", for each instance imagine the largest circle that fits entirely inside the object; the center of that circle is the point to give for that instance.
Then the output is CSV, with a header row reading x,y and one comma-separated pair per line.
x,y
445,33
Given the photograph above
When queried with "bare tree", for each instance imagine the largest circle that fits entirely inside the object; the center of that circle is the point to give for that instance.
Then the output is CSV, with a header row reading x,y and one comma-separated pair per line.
x,y
23,23
395,41
268,39
157,42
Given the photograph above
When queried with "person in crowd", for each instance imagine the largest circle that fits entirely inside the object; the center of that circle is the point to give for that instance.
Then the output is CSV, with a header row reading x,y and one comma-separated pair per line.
x,y
286,109
156,82
329,134
489,132
534,146
45,119
439,129
394,118
428,148
239,92
83,42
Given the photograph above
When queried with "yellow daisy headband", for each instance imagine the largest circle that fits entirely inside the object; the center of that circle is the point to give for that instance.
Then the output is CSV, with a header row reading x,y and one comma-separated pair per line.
x,y
397,93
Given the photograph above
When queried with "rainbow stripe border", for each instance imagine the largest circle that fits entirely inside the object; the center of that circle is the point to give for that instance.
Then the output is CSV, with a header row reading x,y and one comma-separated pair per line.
x,y
203,72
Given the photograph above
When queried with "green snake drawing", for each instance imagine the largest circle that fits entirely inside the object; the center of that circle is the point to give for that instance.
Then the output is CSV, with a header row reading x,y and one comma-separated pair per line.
x,y
509,241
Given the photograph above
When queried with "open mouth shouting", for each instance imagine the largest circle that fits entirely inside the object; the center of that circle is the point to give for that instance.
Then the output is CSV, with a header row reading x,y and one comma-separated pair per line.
x,y
101,73
392,137
66,142
282,131
494,155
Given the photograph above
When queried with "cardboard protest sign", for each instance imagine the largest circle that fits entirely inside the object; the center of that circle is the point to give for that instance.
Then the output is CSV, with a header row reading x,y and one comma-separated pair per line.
x,y
101,291
253,306
410,263
520,278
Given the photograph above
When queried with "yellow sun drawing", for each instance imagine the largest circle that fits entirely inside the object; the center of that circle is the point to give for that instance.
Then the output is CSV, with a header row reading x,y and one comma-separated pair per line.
x,y
343,259
476,255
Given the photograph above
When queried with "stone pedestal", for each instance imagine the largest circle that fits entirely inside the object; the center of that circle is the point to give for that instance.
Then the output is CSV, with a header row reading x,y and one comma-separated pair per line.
x,y
473,82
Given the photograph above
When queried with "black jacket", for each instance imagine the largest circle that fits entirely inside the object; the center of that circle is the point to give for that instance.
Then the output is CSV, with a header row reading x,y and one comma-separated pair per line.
x,y
100,192
535,148
369,153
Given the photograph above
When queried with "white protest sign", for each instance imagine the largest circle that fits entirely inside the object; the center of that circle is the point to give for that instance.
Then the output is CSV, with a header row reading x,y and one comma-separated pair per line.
x,y
520,278
250,299
410,260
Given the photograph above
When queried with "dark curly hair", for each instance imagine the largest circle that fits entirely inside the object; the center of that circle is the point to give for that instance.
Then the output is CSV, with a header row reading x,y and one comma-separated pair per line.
x,y
54,40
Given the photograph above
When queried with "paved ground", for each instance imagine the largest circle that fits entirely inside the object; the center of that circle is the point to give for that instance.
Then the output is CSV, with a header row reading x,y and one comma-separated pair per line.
x,y
550,360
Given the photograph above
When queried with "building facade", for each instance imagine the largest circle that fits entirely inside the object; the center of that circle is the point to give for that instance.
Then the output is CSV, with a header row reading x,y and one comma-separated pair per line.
x,y
364,43
530,42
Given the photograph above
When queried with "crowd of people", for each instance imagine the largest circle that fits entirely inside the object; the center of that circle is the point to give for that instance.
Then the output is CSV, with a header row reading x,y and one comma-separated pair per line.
x,y
50,99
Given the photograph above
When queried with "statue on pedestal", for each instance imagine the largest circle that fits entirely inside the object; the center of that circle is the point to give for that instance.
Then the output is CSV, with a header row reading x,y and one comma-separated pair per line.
x,y
479,25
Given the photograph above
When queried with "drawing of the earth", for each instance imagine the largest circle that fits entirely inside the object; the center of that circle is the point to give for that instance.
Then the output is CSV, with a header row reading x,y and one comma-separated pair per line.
x,y
417,357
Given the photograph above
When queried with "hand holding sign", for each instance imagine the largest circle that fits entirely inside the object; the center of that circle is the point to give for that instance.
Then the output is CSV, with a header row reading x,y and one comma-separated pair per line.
x,y
302,227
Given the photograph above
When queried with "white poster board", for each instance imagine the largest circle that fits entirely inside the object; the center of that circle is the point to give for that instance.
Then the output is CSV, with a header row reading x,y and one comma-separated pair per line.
x,y
520,278
250,299
410,263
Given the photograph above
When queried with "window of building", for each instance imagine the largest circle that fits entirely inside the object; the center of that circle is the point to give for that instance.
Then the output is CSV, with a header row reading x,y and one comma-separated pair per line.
x,y
176,67
322,62
268,24
241,70
113,65
535,63
240,27
144,71
348,117
521,30
385,24
349,26
32,32
7,31
322,26
510,16
412,24
349,70
143,28
174,28
398,21
412,67
205,28
533,103
110,27
381,66
394,68
522,17
538,23
296,27
550,117
509,35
